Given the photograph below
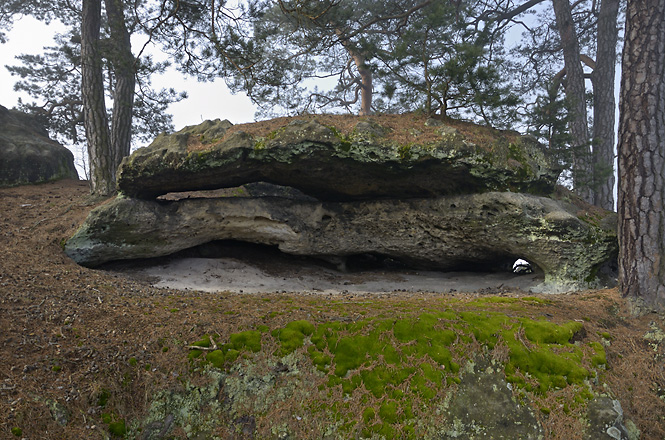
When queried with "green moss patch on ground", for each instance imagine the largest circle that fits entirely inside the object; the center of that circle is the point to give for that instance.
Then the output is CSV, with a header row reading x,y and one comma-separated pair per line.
x,y
395,367
228,352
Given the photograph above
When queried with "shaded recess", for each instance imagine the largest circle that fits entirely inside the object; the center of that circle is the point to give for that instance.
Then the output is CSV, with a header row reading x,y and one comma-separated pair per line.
x,y
261,254
493,263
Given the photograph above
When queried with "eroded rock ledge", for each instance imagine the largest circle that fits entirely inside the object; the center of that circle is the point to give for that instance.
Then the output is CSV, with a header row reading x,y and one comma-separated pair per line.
x,y
442,205
328,165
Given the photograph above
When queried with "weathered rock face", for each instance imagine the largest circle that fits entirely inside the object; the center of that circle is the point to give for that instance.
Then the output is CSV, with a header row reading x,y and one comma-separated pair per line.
x,y
27,155
441,233
484,407
606,421
323,163
445,203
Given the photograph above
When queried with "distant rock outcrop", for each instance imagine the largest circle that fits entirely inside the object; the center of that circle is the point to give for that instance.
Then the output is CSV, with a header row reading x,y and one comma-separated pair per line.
x,y
443,205
27,154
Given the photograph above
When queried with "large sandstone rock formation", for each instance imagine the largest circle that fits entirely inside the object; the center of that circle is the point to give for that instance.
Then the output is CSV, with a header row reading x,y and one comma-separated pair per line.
x,y
444,233
27,155
326,164
445,206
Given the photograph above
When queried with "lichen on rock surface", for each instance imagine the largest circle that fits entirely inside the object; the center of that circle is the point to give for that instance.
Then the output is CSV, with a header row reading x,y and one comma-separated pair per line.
x,y
484,407
606,421
325,163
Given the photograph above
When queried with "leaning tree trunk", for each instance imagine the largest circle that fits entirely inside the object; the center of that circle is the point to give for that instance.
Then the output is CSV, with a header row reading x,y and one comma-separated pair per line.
x,y
576,97
641,149
102,180
366,87
123,93
602,79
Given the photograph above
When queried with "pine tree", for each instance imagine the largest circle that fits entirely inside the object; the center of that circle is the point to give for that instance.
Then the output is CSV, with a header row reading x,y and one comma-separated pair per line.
x,y
339,42
641,206
443,65
91,65
584,35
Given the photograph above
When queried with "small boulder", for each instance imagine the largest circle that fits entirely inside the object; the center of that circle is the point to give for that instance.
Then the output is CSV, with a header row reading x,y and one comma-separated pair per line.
x,y
60,413
28,155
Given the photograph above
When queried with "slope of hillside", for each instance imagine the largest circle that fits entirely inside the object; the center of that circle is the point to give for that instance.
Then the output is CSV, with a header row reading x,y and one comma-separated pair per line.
x,y
83,352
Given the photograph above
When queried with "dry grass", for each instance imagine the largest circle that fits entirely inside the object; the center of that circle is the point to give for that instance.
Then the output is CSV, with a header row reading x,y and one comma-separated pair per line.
x,y
400,129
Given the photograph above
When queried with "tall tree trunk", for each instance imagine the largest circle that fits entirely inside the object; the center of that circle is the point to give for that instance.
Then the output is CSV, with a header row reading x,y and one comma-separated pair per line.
x,y
360,60
641,206
102,180
366,87
426,76
125,82
575,95
602,79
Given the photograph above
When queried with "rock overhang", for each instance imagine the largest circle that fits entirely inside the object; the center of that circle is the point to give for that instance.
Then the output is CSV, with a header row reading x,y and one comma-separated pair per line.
x,y
455,197
328,164
433,233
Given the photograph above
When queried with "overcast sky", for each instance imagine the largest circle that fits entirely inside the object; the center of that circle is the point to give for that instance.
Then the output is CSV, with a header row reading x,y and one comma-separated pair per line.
x,y
205,101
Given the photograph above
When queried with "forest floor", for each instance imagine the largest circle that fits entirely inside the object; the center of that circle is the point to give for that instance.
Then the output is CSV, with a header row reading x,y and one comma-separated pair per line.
x,y
76,342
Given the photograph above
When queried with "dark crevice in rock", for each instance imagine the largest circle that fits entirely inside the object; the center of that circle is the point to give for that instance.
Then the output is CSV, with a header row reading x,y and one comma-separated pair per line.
x,y
270,258
249,190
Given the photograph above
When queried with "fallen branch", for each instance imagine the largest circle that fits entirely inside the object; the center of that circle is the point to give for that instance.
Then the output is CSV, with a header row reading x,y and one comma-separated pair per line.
x,y
212,347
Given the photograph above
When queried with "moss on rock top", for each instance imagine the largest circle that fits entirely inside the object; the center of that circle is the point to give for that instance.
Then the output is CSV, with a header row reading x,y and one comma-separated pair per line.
x,y
326,158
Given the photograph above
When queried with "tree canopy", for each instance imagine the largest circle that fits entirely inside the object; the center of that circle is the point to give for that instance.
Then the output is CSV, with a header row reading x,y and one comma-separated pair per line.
x,y
57,84
52,80
365,56
443,57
